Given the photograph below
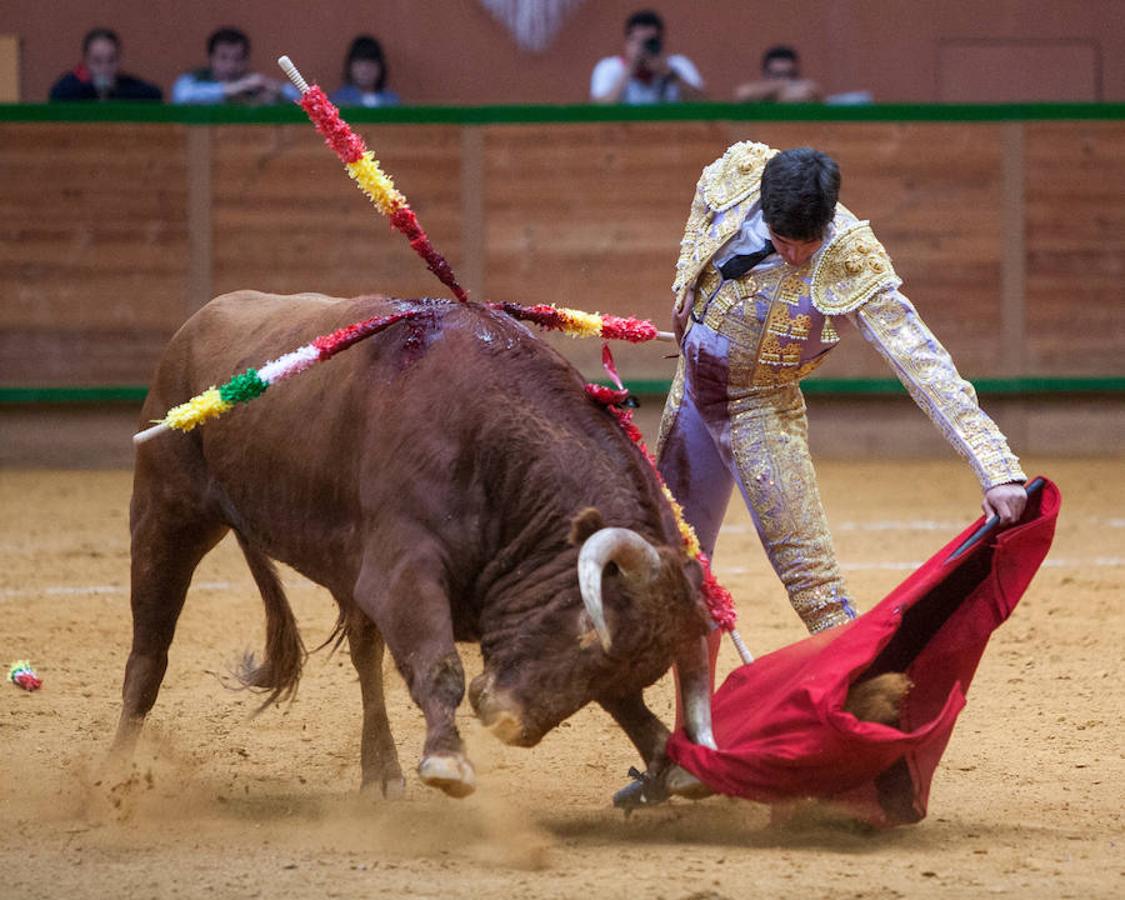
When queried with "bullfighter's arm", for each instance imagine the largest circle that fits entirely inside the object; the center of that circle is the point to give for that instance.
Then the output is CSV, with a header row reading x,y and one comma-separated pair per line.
x,y
889,322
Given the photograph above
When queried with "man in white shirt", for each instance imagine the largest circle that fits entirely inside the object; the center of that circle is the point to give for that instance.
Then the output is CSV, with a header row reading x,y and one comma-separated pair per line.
x,y
644,74
227,77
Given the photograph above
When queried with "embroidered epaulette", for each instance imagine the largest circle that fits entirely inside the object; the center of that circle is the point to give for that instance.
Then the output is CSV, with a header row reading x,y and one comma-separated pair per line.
x,y
736,175
851,270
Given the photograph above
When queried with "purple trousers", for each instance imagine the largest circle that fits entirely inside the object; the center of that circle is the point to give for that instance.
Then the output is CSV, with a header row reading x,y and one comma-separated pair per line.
x,y
716,432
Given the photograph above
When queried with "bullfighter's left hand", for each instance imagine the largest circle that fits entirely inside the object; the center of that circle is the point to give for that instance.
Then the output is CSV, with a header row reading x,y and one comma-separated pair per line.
x,y
1006,501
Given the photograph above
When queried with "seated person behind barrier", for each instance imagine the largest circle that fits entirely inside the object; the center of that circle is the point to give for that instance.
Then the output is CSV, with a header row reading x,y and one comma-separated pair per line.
x,y
227,77
365,76
781,80
643,73
99,77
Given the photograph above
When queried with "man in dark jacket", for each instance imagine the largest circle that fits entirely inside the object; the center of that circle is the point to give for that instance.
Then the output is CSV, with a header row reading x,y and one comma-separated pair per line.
x,y
98,76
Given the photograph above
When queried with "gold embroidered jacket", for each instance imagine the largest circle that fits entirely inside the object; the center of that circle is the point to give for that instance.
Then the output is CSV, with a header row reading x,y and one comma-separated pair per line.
x,y
780,319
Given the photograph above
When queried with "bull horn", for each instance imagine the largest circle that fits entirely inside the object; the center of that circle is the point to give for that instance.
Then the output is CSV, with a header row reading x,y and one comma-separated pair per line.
x,y
635,557
694,671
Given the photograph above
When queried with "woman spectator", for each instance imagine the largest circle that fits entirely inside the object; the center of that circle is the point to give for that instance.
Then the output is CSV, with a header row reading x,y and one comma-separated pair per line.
x,y
365,76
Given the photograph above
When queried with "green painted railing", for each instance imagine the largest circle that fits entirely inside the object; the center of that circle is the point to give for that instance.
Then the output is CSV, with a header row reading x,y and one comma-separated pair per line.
x,y
156,113
841,387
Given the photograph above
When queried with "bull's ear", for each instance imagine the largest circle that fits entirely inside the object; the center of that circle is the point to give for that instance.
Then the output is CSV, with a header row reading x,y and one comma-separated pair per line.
x,y
693,571
584,524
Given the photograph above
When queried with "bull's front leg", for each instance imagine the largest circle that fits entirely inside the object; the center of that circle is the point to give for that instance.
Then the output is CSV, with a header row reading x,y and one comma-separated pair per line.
x,y
662,777
411,610
647,733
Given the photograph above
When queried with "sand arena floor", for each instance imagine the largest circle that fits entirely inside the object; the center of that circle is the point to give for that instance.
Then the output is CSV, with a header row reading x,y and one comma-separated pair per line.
x,y
1029,801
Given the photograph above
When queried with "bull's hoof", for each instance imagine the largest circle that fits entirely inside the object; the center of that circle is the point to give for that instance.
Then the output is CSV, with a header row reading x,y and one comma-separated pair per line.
x,y
394,788
449,772
390,787
679,782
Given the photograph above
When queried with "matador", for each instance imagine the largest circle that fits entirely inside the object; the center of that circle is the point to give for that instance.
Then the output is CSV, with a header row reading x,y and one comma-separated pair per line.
x,y
769,264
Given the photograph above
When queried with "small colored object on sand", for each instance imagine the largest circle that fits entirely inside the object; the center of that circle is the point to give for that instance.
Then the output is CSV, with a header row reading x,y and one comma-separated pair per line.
x,y
22,675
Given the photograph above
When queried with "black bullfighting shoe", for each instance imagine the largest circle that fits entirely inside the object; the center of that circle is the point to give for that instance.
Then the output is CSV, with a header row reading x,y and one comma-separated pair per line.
x,y
643,790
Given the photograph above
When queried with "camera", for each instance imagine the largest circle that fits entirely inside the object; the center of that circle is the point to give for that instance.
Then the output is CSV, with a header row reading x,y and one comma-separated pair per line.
x,y
654,45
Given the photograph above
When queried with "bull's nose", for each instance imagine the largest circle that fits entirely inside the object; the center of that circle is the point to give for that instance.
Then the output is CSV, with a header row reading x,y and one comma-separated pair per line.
x,y
509,728
503,718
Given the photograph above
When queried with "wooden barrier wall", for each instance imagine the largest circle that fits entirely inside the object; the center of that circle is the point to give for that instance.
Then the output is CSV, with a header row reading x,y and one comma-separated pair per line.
x,y
1010,235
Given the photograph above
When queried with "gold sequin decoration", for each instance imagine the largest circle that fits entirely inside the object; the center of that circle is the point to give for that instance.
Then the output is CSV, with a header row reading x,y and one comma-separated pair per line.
x,y
778,321
671,406
775,353
791,289
769,442
736,175
851,270
891,324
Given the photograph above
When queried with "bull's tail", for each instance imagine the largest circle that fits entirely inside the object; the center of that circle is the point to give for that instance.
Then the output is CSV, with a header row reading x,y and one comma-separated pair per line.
x,y
280,671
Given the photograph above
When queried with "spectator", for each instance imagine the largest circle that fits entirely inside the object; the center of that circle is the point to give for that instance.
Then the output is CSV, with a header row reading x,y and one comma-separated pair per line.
x,y
643,73
227,78
99,77
781,80
365,76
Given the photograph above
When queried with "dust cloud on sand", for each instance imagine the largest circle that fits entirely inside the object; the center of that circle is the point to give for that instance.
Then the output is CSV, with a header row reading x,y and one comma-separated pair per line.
x,y
1028,801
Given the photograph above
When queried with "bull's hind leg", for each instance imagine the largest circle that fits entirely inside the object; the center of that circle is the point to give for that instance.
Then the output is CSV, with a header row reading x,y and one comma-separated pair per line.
x,y
378,755
165,551
411,610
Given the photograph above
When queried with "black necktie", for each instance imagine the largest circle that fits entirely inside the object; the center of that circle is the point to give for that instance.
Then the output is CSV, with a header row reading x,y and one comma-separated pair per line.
x,y
737,266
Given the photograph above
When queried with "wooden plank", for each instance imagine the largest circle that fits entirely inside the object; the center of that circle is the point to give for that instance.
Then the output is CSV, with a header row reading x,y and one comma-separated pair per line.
x,y
103,229
1075,247
474,225
9,68
84,355
590,216
287,217
93,239
199,203
1014,284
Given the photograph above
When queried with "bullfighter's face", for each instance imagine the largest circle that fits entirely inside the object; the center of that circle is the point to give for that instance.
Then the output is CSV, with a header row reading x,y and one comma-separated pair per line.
x,y
795,251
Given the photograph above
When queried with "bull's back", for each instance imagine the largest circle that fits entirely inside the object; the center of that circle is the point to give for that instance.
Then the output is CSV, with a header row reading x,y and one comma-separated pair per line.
x,y
243,329
379,427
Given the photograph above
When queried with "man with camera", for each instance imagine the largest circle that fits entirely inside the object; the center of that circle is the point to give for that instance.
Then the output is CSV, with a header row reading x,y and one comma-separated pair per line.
x,y
644,73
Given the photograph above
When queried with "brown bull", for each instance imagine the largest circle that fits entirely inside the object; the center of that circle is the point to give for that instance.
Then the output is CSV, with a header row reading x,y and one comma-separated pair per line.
x,y
447,480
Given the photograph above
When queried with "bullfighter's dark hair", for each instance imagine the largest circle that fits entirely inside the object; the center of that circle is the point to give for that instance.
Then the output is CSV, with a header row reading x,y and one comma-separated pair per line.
x,y
100,34
800,188
644,18
367,48
227,36
779,51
